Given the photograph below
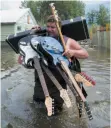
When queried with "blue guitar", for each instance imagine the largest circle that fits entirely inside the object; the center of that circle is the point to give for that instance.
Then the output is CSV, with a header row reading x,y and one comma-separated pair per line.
x,y
52,49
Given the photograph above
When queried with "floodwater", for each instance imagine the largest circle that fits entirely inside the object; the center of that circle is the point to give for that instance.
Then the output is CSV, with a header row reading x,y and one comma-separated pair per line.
x,y
98,67
8,57
18,110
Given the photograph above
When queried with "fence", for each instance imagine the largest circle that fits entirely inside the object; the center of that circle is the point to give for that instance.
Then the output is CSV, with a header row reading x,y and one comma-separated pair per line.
x,y
100,36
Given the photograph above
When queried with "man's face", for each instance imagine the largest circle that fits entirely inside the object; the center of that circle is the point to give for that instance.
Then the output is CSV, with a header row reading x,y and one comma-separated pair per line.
x,y
52,29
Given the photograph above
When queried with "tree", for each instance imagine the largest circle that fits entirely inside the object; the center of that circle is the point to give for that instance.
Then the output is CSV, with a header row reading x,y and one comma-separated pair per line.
x,y
103,16
66,9
34,6
92,16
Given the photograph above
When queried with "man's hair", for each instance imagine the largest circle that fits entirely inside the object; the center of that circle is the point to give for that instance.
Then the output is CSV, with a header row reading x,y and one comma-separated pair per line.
x,y
52,19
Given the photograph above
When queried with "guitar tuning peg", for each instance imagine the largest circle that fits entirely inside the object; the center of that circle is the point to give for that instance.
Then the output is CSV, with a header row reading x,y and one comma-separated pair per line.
x,y
53,113
89,78
93,82
83,73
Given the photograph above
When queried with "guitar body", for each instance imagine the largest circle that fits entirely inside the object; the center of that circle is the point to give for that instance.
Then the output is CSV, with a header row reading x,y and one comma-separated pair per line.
x,y
52,50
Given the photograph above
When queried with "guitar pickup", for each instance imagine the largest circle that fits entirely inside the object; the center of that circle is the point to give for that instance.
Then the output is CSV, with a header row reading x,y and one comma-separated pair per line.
x,y
56,50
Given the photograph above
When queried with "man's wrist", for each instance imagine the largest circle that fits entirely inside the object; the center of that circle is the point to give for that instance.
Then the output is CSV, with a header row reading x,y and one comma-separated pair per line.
x,y
73,52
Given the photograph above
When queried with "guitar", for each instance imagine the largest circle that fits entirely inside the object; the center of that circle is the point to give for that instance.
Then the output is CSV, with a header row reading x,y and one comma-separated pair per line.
x,y
69,83
49,102
31,58
52,50
67,70
82,77
79,91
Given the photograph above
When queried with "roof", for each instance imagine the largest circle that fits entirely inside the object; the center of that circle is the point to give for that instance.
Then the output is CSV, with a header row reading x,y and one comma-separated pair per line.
x,y
12,15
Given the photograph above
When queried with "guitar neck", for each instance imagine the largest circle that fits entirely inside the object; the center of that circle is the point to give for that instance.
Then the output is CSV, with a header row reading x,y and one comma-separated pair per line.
x,y
52,77
41,77
61,36
69,83
57,24
64,66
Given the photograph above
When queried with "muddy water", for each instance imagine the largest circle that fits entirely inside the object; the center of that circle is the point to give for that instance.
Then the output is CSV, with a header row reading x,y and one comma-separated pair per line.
x,y
18,110
98,67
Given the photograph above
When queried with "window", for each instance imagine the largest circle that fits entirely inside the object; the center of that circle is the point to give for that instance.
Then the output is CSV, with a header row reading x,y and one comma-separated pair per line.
x,y
19,28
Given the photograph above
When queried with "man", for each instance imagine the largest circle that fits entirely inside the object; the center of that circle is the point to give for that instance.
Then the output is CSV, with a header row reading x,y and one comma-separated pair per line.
x,y
73,49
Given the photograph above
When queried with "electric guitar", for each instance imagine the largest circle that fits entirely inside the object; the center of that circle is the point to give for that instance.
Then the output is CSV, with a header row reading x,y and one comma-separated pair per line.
x,y
52,50
67,70
30,56
49,102
82,77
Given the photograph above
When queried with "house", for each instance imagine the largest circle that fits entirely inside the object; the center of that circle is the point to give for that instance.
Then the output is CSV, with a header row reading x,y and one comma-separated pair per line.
x,y
16,20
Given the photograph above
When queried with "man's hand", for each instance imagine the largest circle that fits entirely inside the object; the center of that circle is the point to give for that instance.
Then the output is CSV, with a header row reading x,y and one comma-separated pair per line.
x,y
68,53
37,28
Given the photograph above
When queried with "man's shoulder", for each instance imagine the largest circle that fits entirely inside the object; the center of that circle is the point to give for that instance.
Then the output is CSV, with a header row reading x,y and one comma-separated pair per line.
x,y
65,38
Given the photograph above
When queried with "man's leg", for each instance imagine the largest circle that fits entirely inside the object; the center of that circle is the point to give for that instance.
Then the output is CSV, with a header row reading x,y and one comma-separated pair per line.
x,y
38,91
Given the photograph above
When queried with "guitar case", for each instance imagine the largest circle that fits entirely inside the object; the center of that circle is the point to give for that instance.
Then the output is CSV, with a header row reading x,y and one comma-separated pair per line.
x,y
75,28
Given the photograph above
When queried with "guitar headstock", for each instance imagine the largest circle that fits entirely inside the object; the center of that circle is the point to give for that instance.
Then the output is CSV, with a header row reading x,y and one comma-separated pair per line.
x,y
52,5
49,102
88,78
54,11
82,77
65,97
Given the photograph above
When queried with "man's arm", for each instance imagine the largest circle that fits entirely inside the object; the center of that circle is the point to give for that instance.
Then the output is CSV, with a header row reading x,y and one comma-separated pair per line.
x,y
73,49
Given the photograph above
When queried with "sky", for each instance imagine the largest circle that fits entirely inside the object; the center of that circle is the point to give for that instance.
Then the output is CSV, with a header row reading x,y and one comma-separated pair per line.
x,y
8,4
95,4
90,4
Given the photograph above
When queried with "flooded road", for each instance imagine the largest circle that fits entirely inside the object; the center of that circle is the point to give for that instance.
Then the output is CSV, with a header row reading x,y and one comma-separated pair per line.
x,y
98,67
18,110
8,57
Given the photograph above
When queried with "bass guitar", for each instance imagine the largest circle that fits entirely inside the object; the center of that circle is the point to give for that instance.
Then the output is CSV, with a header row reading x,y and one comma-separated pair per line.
x,y
67,70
